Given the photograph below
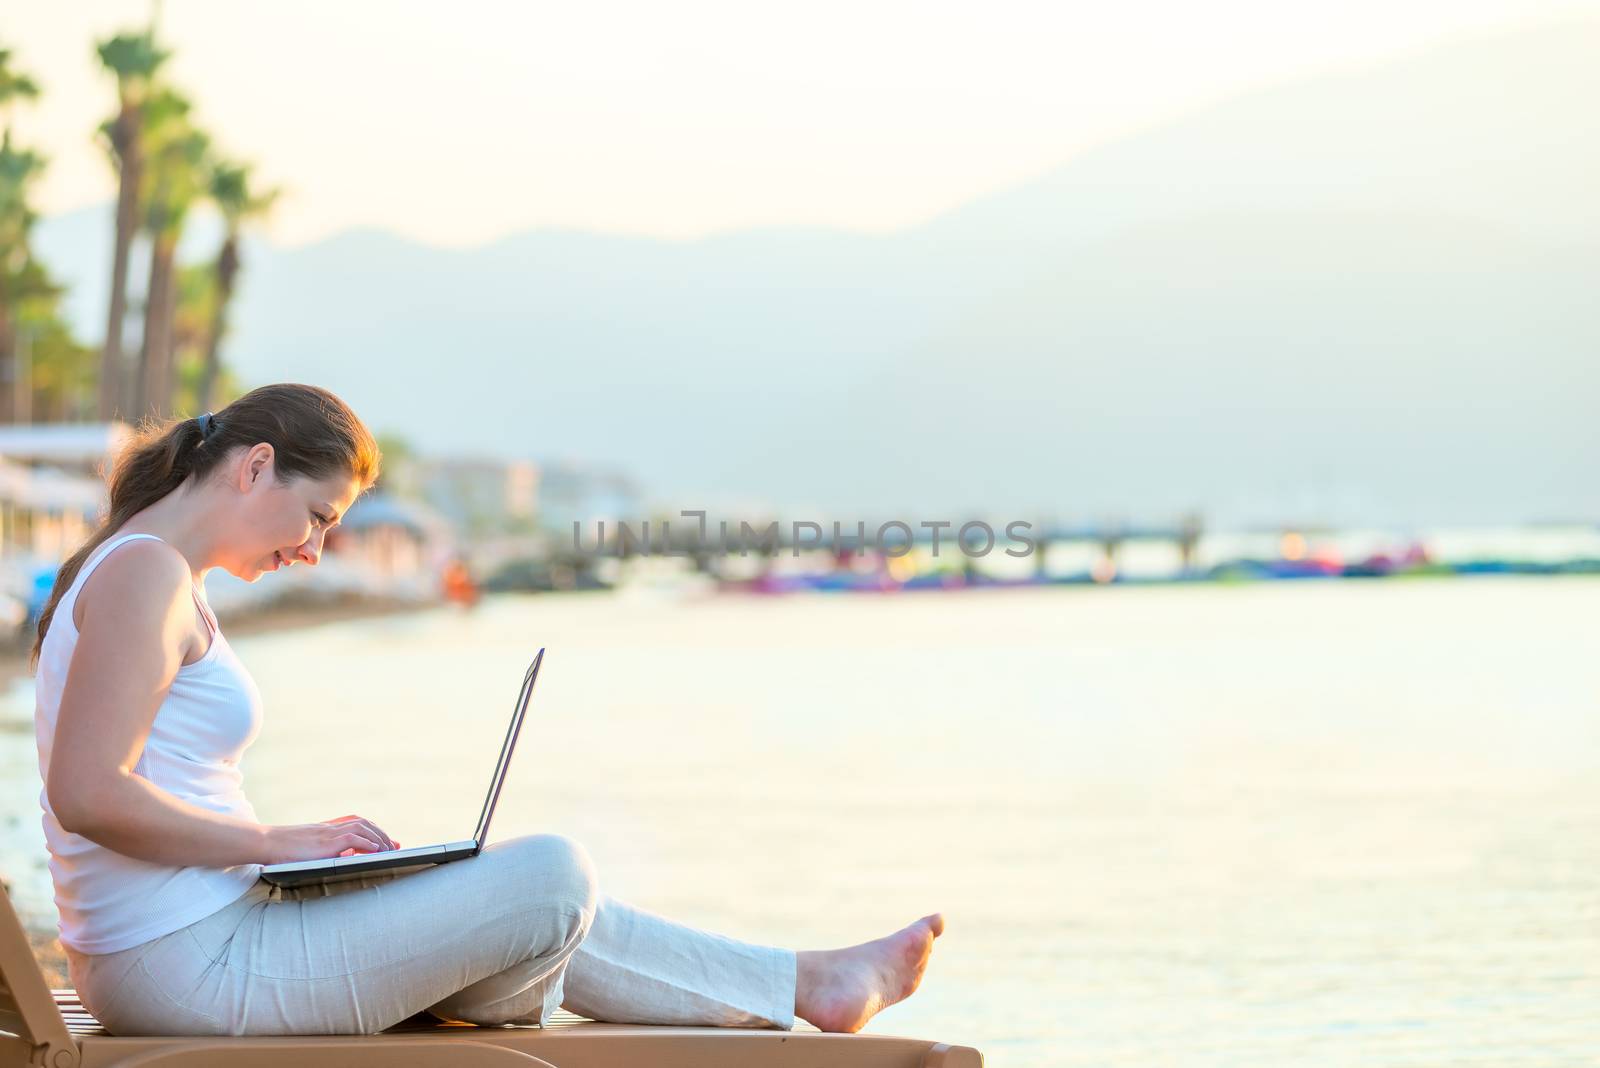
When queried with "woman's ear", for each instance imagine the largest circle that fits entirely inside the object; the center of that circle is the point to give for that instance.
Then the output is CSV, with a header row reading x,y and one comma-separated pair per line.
x,y
257,464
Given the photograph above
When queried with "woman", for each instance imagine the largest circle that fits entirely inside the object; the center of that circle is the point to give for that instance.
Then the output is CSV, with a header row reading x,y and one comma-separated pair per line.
x,y
143,713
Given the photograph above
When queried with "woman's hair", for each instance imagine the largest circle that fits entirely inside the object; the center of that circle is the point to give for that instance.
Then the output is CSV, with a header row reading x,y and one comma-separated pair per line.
x,y
312,433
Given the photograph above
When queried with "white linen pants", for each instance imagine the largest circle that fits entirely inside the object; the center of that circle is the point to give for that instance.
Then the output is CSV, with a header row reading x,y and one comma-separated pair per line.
x,y
505,937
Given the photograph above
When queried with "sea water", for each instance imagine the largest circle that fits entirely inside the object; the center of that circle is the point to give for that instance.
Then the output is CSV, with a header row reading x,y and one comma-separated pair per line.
x,y
1314,822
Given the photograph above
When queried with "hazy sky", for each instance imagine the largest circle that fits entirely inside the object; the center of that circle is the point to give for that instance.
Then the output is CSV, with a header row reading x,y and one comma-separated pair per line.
x,y
460,123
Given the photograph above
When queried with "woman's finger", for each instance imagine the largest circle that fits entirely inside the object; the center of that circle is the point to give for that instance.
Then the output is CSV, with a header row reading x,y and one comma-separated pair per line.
x,y
361,843
370,828
377,832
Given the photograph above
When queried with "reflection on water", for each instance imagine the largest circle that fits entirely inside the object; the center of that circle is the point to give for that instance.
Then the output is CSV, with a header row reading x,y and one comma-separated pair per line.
x,y
1197,825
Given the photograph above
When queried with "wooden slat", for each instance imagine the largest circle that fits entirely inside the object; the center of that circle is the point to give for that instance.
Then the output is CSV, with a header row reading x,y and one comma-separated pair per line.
x,y
80,1021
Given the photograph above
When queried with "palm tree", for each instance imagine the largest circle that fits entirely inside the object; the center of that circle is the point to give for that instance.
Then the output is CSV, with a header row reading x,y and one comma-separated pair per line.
x,y
14,86
51,373
19,277
134,59
177,168
230,189
191,325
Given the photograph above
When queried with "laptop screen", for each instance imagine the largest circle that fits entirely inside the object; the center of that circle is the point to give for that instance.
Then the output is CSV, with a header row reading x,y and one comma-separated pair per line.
x,y
482,834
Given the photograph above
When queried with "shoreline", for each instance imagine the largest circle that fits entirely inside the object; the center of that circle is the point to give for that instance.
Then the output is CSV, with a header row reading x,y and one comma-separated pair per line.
x,y
288,613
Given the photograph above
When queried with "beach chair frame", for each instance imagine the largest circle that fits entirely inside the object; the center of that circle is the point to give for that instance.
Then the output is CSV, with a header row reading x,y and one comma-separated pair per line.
x,y
45,1028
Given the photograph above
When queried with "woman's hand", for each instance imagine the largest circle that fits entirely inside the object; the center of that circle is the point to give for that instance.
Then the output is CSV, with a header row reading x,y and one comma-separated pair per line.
x,y
340,837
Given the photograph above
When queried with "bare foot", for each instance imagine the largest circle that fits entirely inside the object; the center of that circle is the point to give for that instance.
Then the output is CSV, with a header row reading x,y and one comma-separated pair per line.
x,y
841,989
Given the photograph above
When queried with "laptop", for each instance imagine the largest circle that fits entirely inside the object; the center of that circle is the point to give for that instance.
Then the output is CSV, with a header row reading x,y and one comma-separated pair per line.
x,y
403,861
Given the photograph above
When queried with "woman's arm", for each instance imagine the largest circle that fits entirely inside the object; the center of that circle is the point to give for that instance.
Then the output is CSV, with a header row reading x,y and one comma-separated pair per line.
x,y
135,631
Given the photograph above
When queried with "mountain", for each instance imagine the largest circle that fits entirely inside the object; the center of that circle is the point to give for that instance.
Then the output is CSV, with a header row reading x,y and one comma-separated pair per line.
x,y
1363,297
1404,369
1491,128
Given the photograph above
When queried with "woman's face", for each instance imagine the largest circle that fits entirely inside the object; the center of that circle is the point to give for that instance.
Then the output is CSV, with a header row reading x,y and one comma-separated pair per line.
x,y
284,523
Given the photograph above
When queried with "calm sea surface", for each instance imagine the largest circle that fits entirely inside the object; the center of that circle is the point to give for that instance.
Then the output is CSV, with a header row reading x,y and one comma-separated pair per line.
x,y
1310,823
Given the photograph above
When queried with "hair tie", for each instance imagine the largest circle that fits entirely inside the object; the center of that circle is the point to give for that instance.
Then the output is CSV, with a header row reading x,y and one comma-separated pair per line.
x,y
207,423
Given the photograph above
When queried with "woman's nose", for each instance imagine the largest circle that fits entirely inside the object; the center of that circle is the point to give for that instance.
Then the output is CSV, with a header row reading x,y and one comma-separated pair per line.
x,y
310,550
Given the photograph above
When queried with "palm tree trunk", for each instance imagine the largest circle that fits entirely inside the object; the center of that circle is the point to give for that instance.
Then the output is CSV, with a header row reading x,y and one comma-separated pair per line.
x,y
126,144
153,397
227,268
166,355
8,361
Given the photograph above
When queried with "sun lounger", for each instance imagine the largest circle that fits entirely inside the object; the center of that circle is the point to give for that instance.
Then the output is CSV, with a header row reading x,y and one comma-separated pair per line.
x,y
52,1029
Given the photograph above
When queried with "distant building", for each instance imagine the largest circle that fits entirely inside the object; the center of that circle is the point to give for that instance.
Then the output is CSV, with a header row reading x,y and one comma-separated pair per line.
x,y
52,497
477,495
52,486
399,544
86,448
572,493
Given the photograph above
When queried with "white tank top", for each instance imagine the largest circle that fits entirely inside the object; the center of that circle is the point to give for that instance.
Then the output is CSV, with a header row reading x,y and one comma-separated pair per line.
x,y
109,901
